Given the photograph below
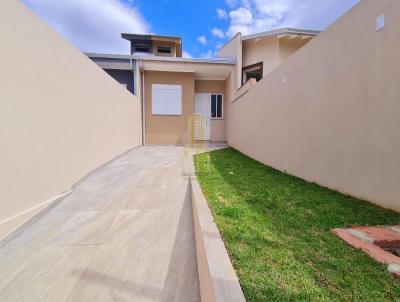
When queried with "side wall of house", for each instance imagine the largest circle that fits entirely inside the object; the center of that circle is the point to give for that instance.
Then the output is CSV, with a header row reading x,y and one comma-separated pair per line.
x,y
288,46
331,113
234,49
61,116
166,129
217,133
264,50
271,51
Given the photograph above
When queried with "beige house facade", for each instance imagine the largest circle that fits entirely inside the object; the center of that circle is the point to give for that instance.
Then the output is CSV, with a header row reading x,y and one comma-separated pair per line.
x,y
173,129
167,129
199,85
214,87
192,87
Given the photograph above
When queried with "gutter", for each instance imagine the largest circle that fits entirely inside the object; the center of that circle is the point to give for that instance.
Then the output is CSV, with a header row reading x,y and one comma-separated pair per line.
x,y
222,61
226,61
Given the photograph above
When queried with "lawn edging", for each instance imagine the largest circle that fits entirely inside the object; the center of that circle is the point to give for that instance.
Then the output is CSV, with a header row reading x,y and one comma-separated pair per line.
x,y
217,277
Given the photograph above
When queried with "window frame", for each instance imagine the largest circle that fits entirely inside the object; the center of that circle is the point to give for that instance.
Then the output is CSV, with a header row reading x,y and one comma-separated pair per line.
x,y
165,47
216,105
256,66
166,86
142,46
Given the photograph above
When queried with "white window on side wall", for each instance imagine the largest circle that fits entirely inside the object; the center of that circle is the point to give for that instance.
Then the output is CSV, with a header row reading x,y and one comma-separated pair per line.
x,y
210,105
216,106
166,99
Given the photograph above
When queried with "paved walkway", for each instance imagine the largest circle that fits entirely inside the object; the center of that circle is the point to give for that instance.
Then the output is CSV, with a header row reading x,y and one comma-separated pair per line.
x,y
124,234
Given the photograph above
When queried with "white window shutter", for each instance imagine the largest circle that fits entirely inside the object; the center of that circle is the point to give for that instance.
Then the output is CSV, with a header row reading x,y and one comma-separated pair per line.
x,y
166,99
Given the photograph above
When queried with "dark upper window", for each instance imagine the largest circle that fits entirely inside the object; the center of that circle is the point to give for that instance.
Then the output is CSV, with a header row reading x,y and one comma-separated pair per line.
x,y
254,71
164,49
142,47
216,106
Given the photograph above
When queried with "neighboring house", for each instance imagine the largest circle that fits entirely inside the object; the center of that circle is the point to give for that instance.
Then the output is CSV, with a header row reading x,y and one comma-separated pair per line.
x,y
259,54
263,52
173,88
163,46
122,68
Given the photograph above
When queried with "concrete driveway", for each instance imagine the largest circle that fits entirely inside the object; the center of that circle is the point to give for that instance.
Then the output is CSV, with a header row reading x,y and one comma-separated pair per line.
x,y
125,233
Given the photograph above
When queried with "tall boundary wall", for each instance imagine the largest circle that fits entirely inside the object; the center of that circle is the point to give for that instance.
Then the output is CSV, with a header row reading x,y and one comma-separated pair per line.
x,y
61,116
331,113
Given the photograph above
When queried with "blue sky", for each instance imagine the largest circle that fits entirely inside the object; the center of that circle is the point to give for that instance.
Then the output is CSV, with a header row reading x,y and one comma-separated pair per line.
x,y
95,25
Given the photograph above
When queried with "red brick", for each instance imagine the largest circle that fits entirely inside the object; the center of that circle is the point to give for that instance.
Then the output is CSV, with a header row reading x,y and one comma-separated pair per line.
x,y
371,249
380,234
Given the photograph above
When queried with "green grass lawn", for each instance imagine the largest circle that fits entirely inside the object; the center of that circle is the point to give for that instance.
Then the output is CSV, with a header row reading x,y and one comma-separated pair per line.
x,y
276,228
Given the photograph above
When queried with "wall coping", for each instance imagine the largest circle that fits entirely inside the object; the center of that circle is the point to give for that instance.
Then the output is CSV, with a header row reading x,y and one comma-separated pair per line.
x,y
217,277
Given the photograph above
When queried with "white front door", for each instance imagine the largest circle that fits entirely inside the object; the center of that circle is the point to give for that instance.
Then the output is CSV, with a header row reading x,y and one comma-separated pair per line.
x,y
203,106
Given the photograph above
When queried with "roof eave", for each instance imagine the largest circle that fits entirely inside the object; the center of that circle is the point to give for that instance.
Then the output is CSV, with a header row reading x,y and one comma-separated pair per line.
x,y
226,61
282,31
131,36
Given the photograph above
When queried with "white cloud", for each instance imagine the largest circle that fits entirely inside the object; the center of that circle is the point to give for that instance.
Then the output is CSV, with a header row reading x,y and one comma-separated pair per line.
x,y
185,54
218,33
241,20
241,16
260,15
202,40
255,16
91,25
222,14
274,10
207,55
232,3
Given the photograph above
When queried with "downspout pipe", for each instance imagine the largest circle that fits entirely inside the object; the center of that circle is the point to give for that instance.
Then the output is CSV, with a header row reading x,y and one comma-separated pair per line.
x,y
142,97
135,67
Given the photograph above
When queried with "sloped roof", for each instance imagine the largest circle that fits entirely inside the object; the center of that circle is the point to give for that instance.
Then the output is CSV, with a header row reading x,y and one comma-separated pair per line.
x,y
131,36
157,38
282,31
